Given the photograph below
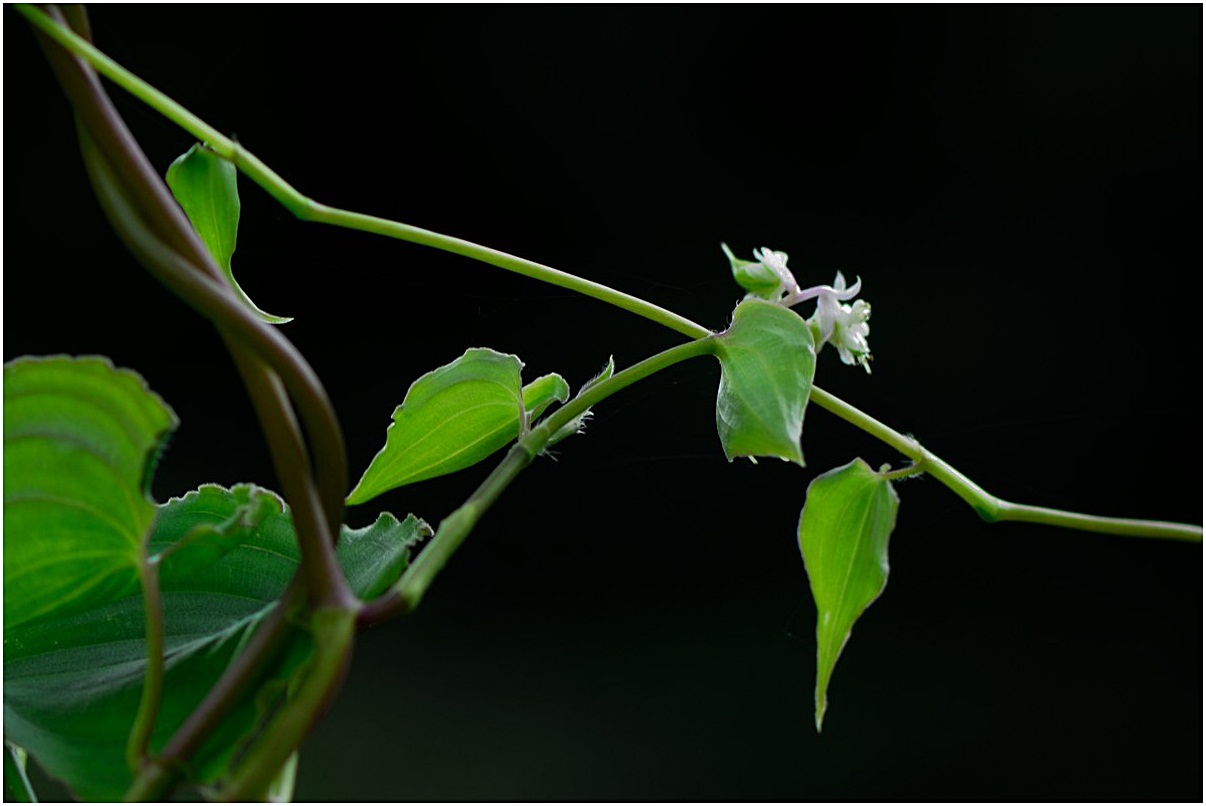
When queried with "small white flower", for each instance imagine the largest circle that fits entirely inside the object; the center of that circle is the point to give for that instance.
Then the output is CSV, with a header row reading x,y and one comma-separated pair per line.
x,y
777,263
844,326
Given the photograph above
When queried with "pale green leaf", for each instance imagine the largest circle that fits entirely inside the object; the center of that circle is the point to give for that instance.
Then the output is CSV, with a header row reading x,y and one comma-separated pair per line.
x,y
455,416
848,516
206,185
80,439
766,367
543,392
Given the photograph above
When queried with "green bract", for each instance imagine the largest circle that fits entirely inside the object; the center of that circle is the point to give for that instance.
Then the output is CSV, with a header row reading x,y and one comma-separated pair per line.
x,y
455,416
753,276
844,528
576,425
766,368
206,186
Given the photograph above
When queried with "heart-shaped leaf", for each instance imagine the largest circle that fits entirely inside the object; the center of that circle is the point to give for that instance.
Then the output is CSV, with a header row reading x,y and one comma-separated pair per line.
x,y
848,516
455,416
80,438
766,367
206,185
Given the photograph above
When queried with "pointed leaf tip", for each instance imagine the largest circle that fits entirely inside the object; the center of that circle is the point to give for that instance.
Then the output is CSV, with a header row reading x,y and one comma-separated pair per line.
x,y
844,528
206,186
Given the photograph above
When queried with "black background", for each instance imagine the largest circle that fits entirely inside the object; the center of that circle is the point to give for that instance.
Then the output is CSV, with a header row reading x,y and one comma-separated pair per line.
x,y
1018,187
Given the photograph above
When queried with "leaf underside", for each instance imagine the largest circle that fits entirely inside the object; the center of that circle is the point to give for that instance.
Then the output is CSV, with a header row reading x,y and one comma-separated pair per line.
x,y
80,439
72,683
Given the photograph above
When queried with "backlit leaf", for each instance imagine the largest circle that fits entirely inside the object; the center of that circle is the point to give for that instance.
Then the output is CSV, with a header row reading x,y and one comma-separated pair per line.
x,y
848,516
455,416
80,438
206,185
766,367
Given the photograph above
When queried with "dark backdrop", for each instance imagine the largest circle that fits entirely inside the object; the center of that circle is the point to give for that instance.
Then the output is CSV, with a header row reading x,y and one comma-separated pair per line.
x,y
1019,188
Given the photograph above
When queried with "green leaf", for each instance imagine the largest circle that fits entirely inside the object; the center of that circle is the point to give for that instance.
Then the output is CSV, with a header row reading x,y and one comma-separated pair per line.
x,y
80,440
766,367
753,276
72,683
455,416
206,185
848,516
543,392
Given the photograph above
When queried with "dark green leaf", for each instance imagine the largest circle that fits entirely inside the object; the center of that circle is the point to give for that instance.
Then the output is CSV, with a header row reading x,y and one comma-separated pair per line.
x,y
206,185
766,368
80,438
453,417
848,516
72,684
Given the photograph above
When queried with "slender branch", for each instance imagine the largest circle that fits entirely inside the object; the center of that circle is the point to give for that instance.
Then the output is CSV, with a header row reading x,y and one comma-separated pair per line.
x,y
987,506
309,210
120,76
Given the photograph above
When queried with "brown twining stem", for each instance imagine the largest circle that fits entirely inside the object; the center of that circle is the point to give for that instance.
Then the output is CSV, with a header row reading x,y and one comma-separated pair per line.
x,y
150,198
156,230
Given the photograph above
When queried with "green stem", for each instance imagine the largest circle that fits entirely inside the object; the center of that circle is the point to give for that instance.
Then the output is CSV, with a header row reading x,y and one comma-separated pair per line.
x,y
152,225
122,77
312,211
152,682
309,210
253,775
988,506
235,322
16,779
157,778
